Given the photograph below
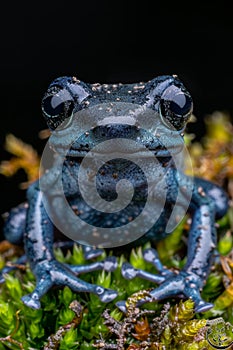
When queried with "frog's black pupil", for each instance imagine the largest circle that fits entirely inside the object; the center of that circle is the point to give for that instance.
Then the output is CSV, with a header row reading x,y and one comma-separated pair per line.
x,y
181,105
50,110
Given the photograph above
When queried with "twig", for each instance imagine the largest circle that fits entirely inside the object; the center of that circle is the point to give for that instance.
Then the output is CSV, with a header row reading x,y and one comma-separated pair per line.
x,y
55,339
9,337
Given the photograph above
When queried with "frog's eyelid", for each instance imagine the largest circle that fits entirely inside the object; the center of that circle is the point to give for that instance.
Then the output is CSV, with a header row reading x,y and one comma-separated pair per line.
x,y
78,91
157,90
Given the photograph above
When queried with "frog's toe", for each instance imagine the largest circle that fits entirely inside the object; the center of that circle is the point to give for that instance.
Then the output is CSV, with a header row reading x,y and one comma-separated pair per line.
x,y
150,255
91,252
203,306
110,264
105,295
128,271
31,300
121,305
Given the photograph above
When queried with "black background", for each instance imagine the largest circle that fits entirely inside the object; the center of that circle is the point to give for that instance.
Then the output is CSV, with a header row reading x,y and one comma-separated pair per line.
x,y
109,41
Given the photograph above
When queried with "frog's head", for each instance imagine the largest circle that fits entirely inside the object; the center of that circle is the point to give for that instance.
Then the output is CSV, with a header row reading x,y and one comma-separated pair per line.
x,y
82,115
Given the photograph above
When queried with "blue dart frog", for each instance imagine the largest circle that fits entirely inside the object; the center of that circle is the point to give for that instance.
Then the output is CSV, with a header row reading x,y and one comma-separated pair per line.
x,y
136,112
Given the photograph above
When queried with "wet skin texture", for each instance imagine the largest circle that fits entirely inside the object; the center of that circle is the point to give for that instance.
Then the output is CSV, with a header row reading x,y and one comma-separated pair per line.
x,y
30,223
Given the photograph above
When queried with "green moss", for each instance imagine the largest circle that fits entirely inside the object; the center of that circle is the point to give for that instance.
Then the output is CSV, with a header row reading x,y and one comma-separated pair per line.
x,y
36,326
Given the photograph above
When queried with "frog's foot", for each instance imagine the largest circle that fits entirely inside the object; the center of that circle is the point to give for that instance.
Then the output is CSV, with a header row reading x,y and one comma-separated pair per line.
x,y
184,284
53,273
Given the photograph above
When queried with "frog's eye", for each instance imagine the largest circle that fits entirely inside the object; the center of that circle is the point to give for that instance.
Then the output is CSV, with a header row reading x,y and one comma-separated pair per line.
x,y
176,107
57,106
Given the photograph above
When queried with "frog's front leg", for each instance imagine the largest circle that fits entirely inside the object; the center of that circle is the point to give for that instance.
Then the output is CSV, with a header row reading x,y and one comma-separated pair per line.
x,y
208,202
38,242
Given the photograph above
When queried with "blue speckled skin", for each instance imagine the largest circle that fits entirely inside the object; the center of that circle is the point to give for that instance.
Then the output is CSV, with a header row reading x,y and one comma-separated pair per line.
x,y
31,224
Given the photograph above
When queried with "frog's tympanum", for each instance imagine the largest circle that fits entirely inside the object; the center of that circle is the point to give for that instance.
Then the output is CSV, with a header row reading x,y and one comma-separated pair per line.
x,y
138,122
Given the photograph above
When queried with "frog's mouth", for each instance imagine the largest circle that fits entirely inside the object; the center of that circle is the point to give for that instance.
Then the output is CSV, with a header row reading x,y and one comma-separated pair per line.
x,y
120,152
120,140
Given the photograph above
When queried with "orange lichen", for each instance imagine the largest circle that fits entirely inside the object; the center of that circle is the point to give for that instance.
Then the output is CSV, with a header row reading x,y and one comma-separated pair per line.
x,y
142,329
24,157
